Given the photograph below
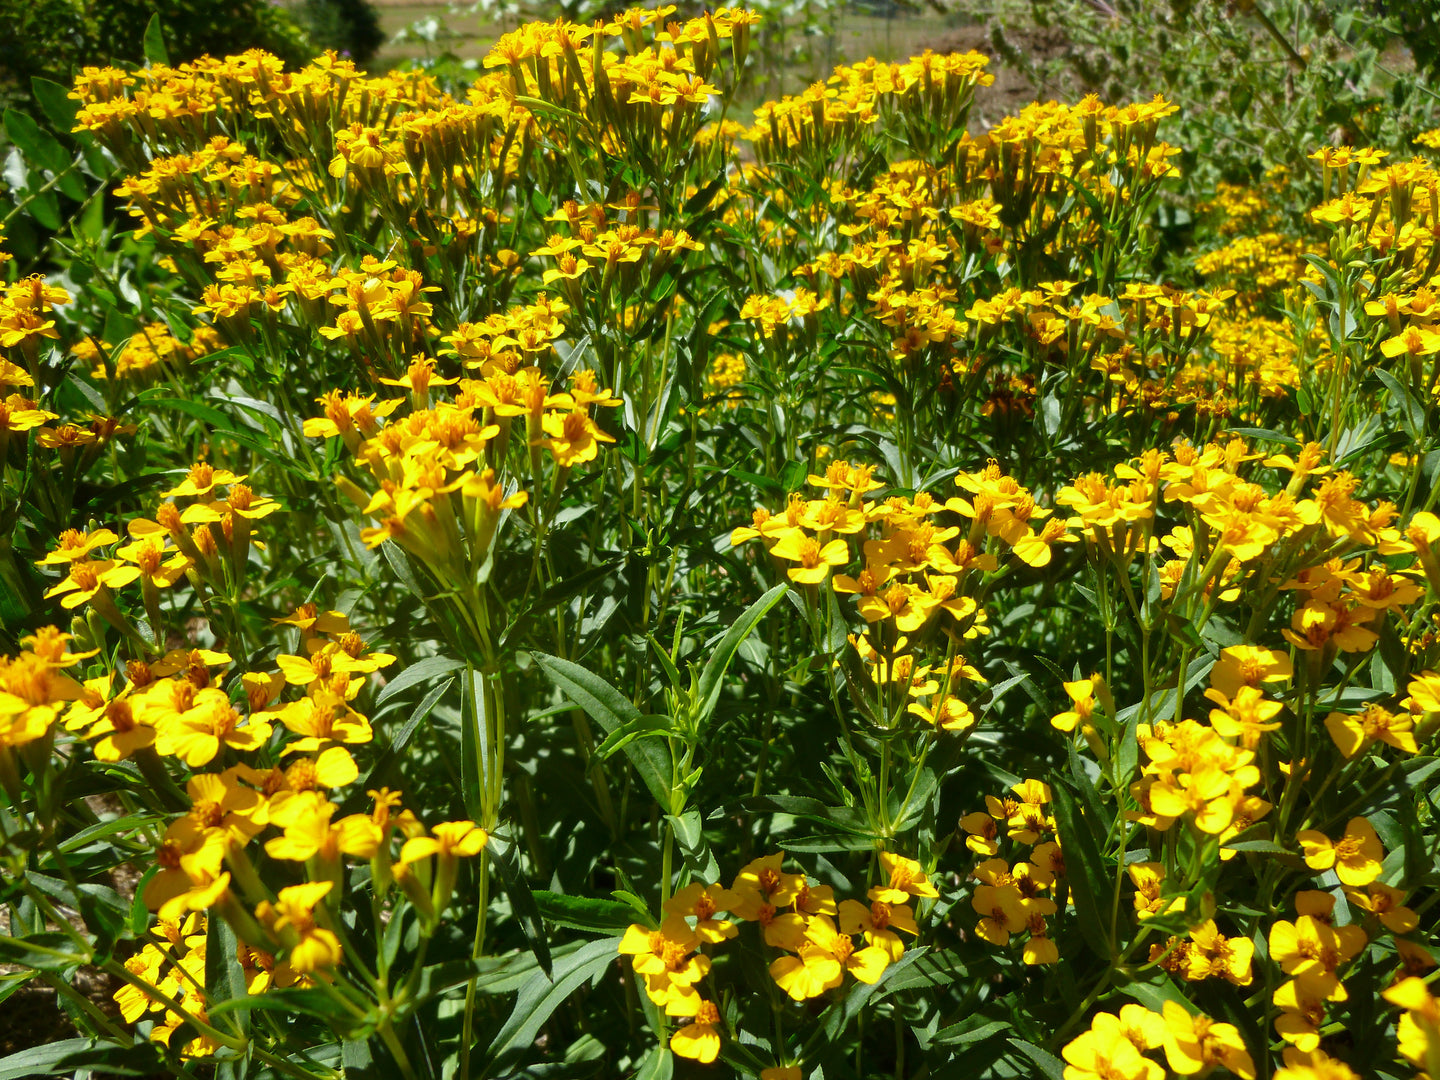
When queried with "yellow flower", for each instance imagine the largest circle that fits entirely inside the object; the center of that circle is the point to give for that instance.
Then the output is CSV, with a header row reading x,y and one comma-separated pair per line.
x,y
1313,1065
1419,1029
807,975
1245,716
904,879
866,964
1312,948
88,578
663,956
1141,1026
451,841
1082,697
200,481
1197,1044
1356,857
763,877
983,833
196,734
1302,1012
1105,1053
1388,905
1352,734
190,858
449,838
1003,911
292,919
1211,953
324,720
702,902
815,560
1206,794
698,1039
74,545
574,437
118,731
876,921
134,1002
309,832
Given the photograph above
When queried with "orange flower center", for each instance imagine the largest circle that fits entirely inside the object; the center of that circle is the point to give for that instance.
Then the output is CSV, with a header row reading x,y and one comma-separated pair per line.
x,y
301,776
121,716
207,814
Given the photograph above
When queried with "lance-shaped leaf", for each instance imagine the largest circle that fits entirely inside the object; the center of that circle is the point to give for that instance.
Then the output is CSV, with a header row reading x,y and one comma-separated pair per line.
x,y
612,710
541,995
1085,869
712,677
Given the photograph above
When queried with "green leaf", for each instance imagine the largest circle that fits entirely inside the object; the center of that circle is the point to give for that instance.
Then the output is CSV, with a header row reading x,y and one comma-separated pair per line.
x,y
357,1060
652,724
690,833
55,102
418,672
1412,413
69,1057
13,982
1264,846
846,818
522,900
356,800
1265,435
224,977
315,1003
1050,1065
43,952
1153,996
672,673
970,1030
155,41
713,676
837,1017
46,210
610,709
1085,869
936,969
1183,630
496,974
584,912
40,149
475,750
541,995
659,1064
1241,95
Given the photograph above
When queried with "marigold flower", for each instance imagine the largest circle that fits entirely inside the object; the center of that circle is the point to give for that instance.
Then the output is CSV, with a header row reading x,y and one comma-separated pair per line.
x,y
312,947
701,902
1248,665
1195,1043
698,1040
814,559
1355,857
1106,1053
904,879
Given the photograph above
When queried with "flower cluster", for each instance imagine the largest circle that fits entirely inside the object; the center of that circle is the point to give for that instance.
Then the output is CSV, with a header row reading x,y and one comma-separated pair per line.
x,y
816,936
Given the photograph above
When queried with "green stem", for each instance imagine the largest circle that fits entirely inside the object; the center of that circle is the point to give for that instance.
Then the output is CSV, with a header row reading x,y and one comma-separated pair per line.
x,y
477,950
